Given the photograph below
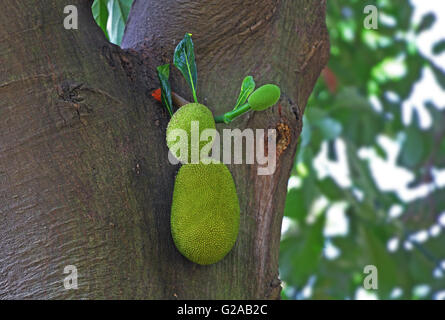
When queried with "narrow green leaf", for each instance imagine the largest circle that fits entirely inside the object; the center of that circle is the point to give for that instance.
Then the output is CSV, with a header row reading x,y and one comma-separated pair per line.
x,y
421,269
330,128
440,159
415,148
439,47
388,272
426,23
332,151
163,75
300,255
330,189
359,122
184,60
296,207
118,10
100,14
246,89
305,136
380,151
439,74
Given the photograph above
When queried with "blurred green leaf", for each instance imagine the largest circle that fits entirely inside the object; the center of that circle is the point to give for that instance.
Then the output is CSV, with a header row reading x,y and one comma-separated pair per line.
x,y
439,74
315,114
380,151
332,151
299,200
305,135
330,189
330,128
438,117
426,23
420,268
440,159
296,206
118,11
388,272
360,123
100,14
299,256
415,148
439,47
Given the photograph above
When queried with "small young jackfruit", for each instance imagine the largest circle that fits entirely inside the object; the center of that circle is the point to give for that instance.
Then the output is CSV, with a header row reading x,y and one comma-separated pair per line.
x,y
188,118
205,212
264,97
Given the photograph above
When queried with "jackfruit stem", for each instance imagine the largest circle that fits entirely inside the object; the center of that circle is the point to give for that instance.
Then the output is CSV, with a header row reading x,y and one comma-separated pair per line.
x,y
178,101
229,116
226,118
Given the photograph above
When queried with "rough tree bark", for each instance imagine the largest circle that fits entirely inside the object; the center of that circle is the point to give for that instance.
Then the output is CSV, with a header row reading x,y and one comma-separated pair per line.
x,y
84,174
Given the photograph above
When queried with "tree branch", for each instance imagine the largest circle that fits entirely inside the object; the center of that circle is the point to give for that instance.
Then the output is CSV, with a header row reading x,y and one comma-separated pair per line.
x,y
85,178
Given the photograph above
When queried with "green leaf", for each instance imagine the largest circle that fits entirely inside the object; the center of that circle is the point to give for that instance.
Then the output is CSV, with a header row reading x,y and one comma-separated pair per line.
x,y
380,151
439,74
426,23
163,75
315,114
332,151
439,47
420,267
437,115
246,89
118,10
296,206
415,148
300,256
306,132
388,273
184,60
360,123
330,128
330,189
321,125
440,159
100,14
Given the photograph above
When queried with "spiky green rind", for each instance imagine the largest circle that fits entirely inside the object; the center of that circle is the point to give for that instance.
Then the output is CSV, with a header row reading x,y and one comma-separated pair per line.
x,y
182,119
205,212
264,97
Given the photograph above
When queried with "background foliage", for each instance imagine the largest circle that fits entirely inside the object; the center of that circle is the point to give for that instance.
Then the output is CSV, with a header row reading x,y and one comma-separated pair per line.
x,y
356,104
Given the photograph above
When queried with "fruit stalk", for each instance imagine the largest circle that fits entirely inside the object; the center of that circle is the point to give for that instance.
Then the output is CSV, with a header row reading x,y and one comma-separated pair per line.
x,y
178,101
229,116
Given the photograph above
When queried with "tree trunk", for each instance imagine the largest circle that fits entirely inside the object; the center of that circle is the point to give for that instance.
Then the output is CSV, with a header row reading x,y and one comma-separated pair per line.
x,y
84,174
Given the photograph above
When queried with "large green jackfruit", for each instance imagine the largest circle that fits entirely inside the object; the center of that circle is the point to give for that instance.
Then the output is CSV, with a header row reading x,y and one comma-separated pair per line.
x,y
205,212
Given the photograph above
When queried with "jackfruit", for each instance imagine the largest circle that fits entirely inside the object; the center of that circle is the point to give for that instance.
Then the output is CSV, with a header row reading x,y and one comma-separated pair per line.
x,y
205,212
184,118
264,97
